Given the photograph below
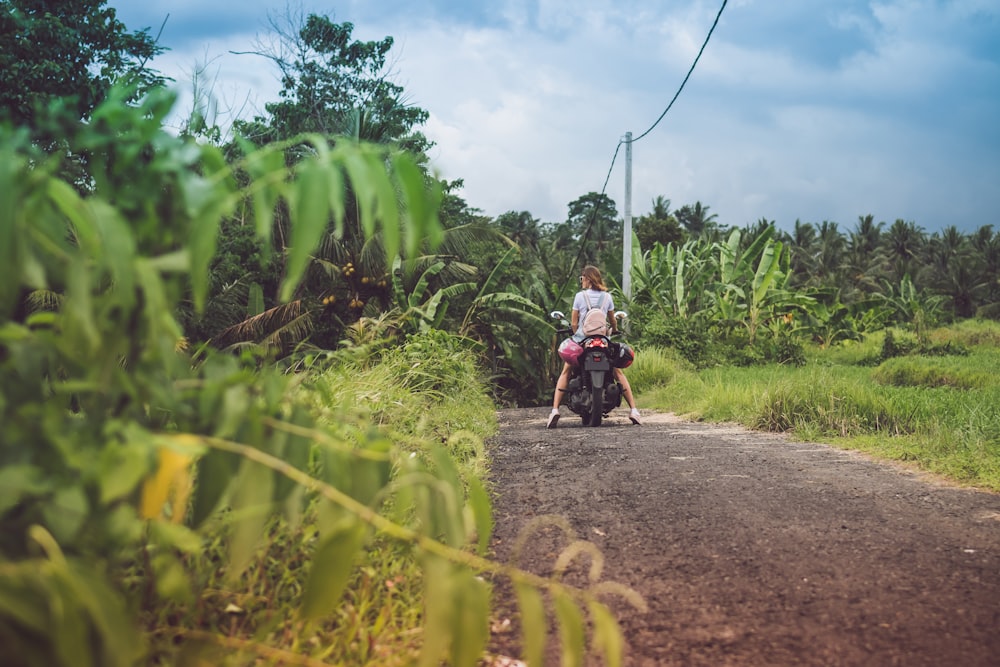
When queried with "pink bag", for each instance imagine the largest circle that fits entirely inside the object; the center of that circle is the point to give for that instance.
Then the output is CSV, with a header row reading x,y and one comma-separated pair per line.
x,y
570,351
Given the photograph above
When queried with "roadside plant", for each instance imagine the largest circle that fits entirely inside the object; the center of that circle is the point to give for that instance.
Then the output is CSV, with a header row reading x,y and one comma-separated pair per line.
x,y
124,453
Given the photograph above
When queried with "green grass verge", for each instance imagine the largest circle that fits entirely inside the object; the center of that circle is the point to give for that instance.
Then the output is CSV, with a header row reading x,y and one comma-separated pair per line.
x,y
937,412
423,393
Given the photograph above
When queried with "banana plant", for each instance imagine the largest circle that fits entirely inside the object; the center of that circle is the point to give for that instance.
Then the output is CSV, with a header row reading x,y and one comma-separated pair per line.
x,y
418,307
753,284
673,279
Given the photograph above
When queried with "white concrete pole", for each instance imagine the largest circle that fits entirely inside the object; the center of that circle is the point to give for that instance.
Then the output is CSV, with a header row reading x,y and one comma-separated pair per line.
x,y
627,240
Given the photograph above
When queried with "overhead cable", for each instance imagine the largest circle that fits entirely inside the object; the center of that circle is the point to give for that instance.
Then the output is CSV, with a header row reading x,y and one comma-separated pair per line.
x,y
593,217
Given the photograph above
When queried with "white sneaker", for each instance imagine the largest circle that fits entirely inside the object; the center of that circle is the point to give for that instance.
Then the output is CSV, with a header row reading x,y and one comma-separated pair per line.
x,y
553,418
634,416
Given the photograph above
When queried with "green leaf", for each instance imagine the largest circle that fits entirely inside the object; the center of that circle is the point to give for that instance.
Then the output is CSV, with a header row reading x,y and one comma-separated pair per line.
x,y
439,586
295,451
19,481
608,638
65,513
479,502
176,537
255,300
267,169
471,629
124,465
233,411
386,206
215,472
411,182
121,641
310,216
171,578
447,502
11,204
364,189
534,626
251,508
331,569
202,243
368,479
570,629
20,604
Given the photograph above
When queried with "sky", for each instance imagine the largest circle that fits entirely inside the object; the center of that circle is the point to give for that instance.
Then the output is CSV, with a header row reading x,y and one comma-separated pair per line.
x,y
811,111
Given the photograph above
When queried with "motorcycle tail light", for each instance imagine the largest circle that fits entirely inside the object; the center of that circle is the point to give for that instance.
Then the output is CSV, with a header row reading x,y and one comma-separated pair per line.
x,y
597,342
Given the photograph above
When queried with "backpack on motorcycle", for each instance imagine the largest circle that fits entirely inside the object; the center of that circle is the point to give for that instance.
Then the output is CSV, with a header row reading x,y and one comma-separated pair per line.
x,y
595,321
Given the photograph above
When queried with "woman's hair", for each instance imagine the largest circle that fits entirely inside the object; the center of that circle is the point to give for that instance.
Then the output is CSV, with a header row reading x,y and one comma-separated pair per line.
x,y
593,274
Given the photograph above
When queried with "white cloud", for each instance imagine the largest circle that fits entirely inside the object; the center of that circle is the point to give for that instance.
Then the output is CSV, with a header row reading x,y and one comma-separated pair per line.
x,y
817,111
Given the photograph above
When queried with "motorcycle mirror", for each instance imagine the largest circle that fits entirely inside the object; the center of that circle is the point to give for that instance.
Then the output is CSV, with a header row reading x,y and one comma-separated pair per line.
x,y
557,315
620,314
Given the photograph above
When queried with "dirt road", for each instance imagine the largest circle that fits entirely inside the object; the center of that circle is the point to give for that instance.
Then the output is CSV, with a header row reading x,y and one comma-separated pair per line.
x,y
754,549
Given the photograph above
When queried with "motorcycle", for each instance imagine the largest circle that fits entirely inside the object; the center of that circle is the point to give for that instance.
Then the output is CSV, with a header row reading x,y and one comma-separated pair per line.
x,y
593,390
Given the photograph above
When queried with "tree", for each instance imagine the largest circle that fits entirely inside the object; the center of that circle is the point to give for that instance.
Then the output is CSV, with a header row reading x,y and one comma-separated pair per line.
x,y
696,219
951,270
829,259
903,243
593,220
334,85
659,226
802,247
70,51
865,260
340,88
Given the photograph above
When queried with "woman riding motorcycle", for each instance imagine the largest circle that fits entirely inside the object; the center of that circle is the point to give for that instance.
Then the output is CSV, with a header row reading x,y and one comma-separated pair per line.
x,y
593,294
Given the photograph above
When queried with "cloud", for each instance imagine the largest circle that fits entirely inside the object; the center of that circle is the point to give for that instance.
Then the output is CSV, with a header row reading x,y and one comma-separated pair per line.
x,y
816,111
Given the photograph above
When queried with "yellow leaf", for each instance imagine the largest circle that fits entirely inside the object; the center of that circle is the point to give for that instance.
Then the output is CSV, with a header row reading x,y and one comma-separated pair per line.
x,y
172,480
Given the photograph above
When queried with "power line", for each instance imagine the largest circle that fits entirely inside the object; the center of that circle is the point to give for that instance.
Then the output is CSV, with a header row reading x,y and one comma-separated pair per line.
x,y
688,76
593,217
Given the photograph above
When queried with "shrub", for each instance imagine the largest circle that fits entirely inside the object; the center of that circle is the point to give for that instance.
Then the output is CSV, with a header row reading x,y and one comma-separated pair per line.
x,y
936,372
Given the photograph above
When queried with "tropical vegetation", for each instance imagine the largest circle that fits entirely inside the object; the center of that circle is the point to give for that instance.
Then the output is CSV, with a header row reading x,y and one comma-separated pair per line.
x,y
248,375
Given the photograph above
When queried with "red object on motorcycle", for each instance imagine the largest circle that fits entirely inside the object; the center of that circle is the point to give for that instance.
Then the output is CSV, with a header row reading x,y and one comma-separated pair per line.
x,y
626,355
570,351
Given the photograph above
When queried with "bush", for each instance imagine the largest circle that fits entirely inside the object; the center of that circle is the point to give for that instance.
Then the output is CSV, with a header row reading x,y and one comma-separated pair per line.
x,y
990,311
689,336
924,372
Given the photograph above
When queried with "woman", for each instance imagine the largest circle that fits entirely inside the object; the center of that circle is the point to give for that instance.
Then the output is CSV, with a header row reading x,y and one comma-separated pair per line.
x,y
592,294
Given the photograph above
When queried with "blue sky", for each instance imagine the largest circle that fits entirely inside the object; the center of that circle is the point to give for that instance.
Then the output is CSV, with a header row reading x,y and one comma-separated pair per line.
x,y
818,110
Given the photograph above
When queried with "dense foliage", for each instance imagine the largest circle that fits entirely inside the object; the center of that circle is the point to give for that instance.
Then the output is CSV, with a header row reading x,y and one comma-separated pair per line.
x,y
144,476
215,356
68,52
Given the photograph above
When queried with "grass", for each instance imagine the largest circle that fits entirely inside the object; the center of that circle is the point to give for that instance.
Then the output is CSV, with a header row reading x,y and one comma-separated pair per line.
x,y
425,392
938,413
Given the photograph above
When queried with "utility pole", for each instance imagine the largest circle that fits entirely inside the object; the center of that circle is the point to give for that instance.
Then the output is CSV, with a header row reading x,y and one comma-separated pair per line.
x,y
627,240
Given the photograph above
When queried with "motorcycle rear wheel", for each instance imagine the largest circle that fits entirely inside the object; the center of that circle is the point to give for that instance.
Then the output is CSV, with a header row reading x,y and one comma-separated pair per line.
x,y
597,406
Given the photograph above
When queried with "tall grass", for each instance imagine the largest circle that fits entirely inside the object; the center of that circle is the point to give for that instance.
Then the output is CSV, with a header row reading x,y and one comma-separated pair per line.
x,y
937,412
428,390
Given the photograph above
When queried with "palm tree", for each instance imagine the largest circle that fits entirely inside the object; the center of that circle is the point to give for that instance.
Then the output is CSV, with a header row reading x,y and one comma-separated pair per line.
x,y
520,227
803,248
696,219
986,245
829,260
661,207
903,243
864,262
951,270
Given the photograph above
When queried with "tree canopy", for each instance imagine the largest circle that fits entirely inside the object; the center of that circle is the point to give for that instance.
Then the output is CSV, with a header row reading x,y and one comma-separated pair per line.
x,y
70,51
